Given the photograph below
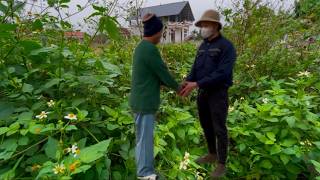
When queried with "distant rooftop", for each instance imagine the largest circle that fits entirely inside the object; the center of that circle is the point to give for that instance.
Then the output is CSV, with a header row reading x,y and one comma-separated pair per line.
x,y
171,9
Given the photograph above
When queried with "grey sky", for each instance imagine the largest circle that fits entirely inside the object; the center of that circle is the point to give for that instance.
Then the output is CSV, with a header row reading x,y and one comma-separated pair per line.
x,y
197,6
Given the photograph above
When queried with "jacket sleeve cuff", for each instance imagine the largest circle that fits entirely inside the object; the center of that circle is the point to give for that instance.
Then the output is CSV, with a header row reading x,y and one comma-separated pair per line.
x,y
201,84
188,78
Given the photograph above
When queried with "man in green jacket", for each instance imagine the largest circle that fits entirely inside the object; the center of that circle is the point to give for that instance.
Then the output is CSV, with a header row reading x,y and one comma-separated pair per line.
x,y
149,72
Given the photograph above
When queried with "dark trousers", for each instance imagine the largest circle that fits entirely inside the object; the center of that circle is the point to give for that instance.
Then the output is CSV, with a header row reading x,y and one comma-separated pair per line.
x,y
213,111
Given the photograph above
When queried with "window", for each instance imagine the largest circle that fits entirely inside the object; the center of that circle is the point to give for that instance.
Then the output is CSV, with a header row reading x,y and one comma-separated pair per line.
x,y
185,33
173,36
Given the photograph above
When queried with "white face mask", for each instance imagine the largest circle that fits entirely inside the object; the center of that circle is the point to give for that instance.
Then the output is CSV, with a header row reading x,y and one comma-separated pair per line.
x,y
206,32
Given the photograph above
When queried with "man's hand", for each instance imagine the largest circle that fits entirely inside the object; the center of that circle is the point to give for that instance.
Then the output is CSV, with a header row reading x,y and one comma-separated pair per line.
x,y
188,87
182,86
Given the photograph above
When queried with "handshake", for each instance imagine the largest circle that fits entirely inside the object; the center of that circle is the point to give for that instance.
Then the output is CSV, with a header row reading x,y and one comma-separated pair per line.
x,y
186,88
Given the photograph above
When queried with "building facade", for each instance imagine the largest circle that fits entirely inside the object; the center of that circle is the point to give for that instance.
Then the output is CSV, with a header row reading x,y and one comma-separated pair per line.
x,y
177,18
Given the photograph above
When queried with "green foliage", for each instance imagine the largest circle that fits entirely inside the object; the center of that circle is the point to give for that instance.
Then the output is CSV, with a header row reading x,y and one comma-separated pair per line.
x,y
64,105
279,126
309,9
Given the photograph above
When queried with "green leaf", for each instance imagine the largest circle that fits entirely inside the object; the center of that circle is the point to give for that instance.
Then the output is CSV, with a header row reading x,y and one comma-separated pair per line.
x,y
271,136
316,164
37,25
110,112
82,168
23,132
109,24
82,142
6,109
108,66
48,127
64,1
284,158
290,120
78,101
94,152
5,35
317,143
8,27
266,164
71,127
51,83
44,50
242,147
52,148
23,140
271,119
3,130
293,168
275,149
82,114
9,146
182,116
116,175
288,142
51,3
112,127
29,46
13,128
290,151
102,90
3,8
260,137
46,169
35,128
27,88
181,133
99,8
11,173
25,117
8,175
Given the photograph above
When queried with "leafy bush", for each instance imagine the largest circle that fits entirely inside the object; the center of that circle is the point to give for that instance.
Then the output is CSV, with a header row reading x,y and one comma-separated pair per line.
x,y
64,105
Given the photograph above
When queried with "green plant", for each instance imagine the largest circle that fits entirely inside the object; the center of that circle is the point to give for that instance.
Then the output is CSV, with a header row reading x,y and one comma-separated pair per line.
x,y
64,110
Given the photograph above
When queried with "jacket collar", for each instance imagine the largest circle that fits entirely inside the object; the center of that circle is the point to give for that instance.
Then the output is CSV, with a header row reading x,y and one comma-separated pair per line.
x,y
214,39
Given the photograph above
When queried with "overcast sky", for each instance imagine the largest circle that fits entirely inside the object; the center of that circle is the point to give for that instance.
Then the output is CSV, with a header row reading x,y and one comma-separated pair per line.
x,y
197,6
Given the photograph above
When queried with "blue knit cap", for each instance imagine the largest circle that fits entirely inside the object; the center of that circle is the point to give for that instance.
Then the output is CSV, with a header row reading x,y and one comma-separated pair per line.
x,y
152,26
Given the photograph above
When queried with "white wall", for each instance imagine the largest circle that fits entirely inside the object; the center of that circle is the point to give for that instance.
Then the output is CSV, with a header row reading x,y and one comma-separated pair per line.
x,y
178,32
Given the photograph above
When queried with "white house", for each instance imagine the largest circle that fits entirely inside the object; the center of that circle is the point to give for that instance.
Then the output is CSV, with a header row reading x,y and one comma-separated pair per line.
x,y
177,18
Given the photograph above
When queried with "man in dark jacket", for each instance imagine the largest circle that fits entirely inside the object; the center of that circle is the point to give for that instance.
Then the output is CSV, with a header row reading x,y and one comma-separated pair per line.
x,y
212,73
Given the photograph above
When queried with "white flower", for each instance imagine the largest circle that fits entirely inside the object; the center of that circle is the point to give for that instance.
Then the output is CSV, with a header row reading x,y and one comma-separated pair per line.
x,y
71,116
171,92
198,176
42,115
186,156
59,169
242,98
231,108
282,42
74,150
184,76
185,162
183,165
304,73
265,100
50,103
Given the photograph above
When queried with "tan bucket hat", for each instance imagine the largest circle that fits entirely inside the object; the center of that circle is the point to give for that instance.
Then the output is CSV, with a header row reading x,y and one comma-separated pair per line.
x,y
209,16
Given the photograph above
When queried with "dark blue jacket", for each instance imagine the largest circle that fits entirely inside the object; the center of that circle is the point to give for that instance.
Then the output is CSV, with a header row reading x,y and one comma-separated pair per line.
x,y
213,66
